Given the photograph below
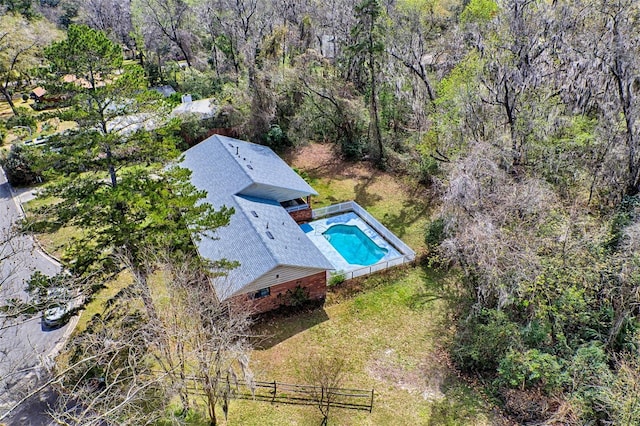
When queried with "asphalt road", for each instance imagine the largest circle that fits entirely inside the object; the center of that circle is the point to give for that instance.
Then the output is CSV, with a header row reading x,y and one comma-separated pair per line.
x,y
25,346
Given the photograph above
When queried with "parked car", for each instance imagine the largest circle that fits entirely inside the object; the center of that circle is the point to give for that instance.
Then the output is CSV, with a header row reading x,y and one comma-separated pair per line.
x,y
62,304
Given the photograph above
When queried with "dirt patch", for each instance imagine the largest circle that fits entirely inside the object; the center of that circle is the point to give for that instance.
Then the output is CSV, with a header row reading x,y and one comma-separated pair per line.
x,y
322,160
426,379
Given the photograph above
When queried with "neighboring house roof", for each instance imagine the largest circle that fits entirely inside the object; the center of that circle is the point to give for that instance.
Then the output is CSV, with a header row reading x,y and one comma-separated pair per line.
x,y
165,90
261,235
126,124
205,108
39,92
71,78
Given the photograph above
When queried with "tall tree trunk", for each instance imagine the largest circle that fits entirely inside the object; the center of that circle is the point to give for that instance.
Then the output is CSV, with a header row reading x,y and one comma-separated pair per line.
x,y
112,169
375,120
9,100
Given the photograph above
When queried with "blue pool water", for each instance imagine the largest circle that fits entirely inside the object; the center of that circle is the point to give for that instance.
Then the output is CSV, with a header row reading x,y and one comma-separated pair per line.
x,y
354,245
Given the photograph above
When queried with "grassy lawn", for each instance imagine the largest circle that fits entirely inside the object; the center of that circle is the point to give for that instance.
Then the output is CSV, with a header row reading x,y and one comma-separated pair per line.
x,y
391,342
391,329
388,329
403,207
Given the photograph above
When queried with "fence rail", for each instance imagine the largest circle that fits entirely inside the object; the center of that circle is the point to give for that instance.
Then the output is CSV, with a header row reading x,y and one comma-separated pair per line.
x,y
380,266
276,392
296,208
286,393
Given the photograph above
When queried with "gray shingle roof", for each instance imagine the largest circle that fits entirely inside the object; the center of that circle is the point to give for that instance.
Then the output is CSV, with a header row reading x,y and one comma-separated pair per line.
x,y
261,235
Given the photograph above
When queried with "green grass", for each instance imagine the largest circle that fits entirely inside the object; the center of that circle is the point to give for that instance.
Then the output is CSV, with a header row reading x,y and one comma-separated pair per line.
x,y
98,302
391,329
403,208
390,344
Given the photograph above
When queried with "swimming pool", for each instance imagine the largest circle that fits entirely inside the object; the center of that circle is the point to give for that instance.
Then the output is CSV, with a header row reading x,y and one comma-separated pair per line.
x,y
354,245
316,230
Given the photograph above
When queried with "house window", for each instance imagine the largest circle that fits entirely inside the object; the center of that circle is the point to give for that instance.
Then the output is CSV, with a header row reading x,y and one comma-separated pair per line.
x,y
261,293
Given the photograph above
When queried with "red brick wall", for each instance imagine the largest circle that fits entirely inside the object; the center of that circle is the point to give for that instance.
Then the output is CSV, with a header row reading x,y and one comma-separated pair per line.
x,y
302,215
315,286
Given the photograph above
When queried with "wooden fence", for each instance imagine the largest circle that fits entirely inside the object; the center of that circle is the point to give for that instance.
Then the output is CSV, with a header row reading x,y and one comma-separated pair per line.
x,y
286,393
354,399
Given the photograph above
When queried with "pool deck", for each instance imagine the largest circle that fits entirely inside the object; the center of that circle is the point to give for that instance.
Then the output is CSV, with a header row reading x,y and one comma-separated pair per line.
x,y
314,231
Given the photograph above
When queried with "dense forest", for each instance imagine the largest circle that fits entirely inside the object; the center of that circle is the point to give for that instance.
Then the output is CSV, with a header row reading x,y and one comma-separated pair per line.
x,y
521,117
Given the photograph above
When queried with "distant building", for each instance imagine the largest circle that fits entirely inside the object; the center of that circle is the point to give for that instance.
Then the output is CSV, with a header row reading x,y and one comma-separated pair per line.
x,y
38,93
165,90
203,108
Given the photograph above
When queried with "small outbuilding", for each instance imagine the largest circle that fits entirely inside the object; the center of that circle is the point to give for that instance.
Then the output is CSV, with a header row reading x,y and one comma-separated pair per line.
x,y
38,93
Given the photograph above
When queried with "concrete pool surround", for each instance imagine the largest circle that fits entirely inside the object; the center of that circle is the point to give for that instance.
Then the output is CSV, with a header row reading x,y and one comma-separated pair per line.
x,y
315,231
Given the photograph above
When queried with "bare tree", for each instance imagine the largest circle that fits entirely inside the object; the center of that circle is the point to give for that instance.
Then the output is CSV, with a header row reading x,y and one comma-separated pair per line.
x,y
136,362
236,28
209,339
111,16
326,374
174,20
488,215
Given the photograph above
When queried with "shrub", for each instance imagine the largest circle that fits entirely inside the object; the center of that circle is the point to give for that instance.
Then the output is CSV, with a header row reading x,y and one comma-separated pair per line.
x,y
484,339
530,369
435,233
276,139
23,118
337,278
296,297
352,148
427,168
3,132
589,374
18,167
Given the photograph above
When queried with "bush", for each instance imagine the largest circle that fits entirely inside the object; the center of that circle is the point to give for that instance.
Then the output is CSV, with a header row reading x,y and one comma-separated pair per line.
x,y
427,168
200,85
296,297
352,148
23,118
337,278
18,167
276,139
484,339
3,132
435,233
529,369
589,375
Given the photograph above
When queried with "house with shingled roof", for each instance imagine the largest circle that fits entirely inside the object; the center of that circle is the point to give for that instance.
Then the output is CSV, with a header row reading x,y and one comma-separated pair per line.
x,y
276,259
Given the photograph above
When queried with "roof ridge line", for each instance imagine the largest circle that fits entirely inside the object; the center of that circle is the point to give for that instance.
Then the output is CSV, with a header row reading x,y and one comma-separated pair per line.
x,y
263,238
219,139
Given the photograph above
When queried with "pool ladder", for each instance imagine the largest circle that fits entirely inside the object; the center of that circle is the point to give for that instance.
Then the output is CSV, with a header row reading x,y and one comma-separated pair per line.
x,y
321,229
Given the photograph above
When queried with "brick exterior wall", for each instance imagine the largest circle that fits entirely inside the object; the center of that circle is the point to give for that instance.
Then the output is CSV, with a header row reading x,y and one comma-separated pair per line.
x,y
314,285
302,216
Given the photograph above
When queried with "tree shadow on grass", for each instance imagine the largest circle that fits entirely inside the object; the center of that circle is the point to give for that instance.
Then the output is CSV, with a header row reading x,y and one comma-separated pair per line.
x,y
278,326
363,197
439,284
413,209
